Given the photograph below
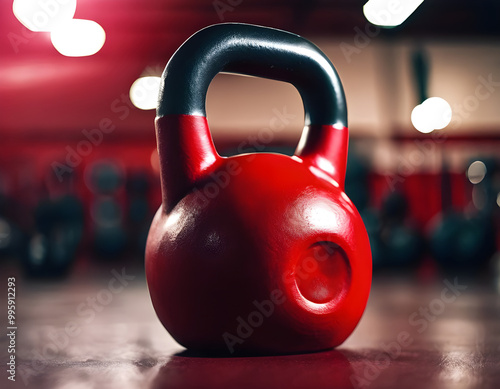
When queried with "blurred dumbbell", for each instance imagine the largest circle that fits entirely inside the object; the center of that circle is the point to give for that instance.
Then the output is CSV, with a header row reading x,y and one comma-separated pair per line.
x,y
461,244
139,212
104,177
12,239
371,219
109,232
51,251
356,181
401,242
464,242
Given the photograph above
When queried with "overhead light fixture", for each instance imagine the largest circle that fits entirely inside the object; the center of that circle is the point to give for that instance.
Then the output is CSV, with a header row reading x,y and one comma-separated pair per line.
x,y
144,92
43,15
78,38
433,114
389,13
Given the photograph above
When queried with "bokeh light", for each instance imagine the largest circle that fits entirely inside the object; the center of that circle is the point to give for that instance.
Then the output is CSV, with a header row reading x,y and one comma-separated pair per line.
x,y
144,92
476,172
78,38
37,15
433,114
389,13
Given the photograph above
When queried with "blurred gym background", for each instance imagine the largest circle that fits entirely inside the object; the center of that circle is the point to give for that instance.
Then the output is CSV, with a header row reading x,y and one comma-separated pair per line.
x,y
79,175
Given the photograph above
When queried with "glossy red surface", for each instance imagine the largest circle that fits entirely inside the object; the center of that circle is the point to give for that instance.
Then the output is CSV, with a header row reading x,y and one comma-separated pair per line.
x,y
329,369
256,241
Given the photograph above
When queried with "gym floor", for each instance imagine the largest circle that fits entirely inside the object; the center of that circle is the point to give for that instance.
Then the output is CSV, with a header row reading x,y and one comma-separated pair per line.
x,y
441,333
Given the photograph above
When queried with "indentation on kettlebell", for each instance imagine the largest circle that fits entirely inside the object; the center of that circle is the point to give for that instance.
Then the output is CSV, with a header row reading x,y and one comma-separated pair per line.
x,y
323,273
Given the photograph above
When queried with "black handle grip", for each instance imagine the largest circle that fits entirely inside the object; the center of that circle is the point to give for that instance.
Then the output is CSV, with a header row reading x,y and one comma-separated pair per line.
x,y
257,51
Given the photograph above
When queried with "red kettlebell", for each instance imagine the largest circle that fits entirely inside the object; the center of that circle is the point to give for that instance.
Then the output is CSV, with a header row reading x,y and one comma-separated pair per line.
x,y
260,253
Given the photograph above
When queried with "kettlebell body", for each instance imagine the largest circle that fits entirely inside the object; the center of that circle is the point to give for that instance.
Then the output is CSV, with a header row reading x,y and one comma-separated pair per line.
x,y
260,253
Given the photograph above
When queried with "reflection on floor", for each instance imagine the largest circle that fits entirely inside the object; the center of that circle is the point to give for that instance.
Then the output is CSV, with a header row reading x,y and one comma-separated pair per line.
x,y
81,334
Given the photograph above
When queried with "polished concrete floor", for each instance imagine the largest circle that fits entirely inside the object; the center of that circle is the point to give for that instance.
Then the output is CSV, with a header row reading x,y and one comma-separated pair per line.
x,y
444,333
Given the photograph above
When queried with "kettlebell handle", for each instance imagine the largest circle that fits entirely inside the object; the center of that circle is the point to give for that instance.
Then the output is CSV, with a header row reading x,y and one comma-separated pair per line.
x,y
186,150
256,51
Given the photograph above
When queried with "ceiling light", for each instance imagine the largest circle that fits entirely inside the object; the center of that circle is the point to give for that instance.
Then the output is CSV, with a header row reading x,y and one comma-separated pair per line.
x,y
389,13
420,120
78,38
43,15
433,114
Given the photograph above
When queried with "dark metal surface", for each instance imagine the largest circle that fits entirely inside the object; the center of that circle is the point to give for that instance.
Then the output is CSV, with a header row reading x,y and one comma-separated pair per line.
x,y
257,51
